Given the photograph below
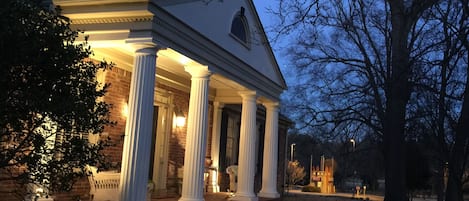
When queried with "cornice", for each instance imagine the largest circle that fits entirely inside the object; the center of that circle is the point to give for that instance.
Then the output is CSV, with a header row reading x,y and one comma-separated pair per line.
x,y
112,20
93,2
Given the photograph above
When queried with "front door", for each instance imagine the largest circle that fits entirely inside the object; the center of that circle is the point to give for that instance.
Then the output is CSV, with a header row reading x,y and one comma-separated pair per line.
x,y
160,143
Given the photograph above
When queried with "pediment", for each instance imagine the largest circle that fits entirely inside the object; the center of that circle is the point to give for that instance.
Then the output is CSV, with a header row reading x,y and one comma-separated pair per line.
x,y
213,19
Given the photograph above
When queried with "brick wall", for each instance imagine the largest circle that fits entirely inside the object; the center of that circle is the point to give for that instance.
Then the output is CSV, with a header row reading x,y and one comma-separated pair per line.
x,y
9,189
80,192
117,96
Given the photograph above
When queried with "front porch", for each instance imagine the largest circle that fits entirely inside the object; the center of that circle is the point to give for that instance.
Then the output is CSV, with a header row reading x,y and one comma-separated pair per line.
x,y
166,68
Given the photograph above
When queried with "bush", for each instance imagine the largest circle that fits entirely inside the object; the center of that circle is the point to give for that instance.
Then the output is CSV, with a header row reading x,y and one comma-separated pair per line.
x,y
311,189
295,172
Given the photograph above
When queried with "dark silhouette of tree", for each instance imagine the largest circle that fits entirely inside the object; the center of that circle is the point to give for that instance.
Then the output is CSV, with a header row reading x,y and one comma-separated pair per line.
x,y
455,17
50,98
418,168
359,62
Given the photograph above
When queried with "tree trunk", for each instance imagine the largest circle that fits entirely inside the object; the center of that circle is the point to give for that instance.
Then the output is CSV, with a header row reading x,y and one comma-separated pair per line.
x,y
457,159
398,93
394,150
441,131
440,182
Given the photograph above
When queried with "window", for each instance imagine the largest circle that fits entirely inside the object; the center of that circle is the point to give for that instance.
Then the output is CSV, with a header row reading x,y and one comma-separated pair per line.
x,y
239,27
229,139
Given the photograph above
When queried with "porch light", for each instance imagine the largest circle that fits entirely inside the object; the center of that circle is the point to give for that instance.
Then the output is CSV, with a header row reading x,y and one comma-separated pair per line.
x,y
125,110
180,118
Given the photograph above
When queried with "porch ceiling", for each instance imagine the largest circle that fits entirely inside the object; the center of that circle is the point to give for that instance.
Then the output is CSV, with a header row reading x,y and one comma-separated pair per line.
x,y
170,67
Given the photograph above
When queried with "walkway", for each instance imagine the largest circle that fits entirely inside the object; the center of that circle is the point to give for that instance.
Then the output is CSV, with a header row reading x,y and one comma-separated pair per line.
x,y
332,196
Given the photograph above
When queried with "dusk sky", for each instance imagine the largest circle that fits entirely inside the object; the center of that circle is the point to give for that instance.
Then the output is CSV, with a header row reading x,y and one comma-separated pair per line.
x,y
267,20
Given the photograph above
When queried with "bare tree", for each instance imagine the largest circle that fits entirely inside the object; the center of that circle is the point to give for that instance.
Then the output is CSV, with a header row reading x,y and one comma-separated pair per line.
x,y
460,149
360,59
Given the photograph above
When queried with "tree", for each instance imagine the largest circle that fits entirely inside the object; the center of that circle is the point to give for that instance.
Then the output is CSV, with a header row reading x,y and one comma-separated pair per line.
x,y
295,172
366,56
418,169
457,31
50,98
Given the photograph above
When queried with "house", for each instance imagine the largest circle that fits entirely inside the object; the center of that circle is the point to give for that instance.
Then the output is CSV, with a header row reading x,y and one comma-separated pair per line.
x,y
195,89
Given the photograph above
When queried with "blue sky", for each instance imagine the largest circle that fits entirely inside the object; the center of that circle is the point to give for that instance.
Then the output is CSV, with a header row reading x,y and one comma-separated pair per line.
x,y
280,52
267,20
261,6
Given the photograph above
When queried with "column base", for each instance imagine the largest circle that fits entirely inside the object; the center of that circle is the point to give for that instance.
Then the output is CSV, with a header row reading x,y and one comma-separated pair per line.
x,y
213,188
268,194
243,198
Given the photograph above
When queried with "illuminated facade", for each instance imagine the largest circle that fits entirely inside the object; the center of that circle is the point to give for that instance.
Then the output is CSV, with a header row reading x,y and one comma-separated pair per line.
x,y
323,176
195,88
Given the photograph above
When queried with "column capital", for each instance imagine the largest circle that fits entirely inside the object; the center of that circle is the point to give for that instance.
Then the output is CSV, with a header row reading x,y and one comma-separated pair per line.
x,y
247,95
144,46
271,105
198,71
149,49
218,105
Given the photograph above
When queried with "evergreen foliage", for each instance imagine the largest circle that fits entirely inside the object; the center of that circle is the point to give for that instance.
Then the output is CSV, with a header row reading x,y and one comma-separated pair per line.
x,y
50,100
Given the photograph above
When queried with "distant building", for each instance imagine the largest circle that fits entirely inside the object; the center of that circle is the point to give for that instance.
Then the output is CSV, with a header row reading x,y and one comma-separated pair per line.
x,y
323,176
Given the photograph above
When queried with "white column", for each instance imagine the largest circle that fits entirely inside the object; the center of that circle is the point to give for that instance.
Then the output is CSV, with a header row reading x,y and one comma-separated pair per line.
x,y
138,129
247,148
197,123
215,149
269,166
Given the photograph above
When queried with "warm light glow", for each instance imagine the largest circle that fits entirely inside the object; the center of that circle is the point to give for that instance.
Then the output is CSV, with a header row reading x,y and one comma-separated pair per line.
x,y
39,190
180,121
214,180
184,60
125,110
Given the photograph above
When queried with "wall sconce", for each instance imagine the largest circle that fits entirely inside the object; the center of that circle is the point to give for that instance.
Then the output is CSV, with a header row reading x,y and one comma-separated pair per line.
x,y
125,110
180,118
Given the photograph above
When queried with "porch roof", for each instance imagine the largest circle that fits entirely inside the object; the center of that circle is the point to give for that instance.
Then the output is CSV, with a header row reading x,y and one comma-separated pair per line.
x,y
112,25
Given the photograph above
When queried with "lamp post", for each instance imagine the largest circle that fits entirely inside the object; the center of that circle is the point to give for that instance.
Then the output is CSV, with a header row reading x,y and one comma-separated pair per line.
x,y
353,144
292,147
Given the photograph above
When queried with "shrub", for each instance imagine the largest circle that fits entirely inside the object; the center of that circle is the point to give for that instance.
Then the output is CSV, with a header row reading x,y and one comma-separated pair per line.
x,y
311,189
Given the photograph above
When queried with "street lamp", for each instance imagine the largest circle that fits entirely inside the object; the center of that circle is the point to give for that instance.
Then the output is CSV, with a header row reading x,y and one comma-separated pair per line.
x,y
292,146
353,144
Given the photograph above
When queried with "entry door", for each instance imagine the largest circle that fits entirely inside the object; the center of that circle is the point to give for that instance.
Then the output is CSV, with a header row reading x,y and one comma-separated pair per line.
x,y
159,169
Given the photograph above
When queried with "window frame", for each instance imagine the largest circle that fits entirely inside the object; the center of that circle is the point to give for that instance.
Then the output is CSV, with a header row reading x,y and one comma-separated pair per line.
x,y
245,25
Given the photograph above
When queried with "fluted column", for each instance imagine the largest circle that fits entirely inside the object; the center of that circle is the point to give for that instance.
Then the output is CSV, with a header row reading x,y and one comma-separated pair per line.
x,y
269,170
247,148
215,149
138,129
194,157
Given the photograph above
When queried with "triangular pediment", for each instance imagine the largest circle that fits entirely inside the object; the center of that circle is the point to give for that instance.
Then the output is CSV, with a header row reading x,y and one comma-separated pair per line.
x,y
213,19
